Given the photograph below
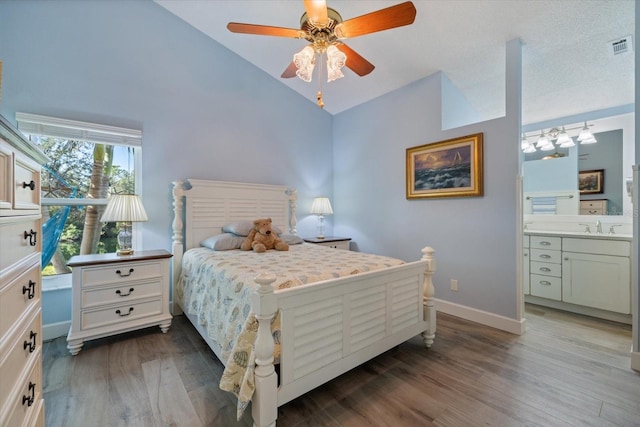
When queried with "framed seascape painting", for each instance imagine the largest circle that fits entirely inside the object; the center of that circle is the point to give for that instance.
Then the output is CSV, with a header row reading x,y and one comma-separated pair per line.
x,y
591,182
451,168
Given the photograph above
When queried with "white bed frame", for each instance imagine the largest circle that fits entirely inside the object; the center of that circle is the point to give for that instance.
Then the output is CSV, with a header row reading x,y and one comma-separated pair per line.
x,y
327,328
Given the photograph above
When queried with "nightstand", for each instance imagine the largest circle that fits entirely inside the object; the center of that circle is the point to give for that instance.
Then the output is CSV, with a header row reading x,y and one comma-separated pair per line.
x,y
114,294
331,241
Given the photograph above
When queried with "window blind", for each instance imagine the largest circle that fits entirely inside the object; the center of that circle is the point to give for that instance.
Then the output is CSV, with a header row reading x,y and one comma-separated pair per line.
x,y
76,130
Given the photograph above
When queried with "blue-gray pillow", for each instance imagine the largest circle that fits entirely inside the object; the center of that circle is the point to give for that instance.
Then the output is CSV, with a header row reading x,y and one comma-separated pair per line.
x,y
244,227
223,242
291,239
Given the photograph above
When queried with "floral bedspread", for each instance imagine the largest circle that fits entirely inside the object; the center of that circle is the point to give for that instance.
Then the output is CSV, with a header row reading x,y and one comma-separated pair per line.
x,y
216,286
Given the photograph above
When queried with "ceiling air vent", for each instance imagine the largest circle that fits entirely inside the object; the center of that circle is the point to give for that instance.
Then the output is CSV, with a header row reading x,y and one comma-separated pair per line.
x,y
622,45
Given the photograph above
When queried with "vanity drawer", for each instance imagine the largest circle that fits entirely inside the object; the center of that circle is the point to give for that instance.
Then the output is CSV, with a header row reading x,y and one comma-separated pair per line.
x,y
546,287
546,242
546,269
598,246
546,255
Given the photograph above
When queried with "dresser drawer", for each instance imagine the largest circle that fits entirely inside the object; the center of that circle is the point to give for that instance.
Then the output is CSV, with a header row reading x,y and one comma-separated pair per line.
x,y
26,404
18,296
544,255
26,346
26,191
120,314
6,176
94,297
546,242
13,244
546,287
546,268
121,273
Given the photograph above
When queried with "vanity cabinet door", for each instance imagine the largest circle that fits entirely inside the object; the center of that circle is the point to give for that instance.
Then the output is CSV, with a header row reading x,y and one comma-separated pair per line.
x,y
600,281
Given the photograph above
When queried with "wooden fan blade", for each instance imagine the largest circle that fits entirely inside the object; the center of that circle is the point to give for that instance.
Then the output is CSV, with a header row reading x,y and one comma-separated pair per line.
x,y
317,11
290,71
264,30
383,19
355,62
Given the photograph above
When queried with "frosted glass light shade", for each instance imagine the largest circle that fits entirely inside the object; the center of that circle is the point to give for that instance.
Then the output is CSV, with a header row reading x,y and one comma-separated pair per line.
x,y
335,61
305,61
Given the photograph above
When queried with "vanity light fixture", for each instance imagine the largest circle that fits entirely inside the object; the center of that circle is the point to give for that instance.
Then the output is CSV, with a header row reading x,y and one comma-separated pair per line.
x,y
561,137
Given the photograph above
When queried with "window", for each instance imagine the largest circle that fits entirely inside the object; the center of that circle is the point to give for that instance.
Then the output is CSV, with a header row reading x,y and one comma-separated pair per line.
x,y
87,163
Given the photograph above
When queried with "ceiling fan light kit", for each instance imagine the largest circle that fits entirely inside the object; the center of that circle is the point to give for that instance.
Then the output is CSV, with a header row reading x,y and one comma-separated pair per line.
x,y
324,29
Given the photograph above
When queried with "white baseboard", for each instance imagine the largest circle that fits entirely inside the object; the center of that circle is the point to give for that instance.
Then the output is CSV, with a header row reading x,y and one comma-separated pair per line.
x,y
55,330
483,317
635,361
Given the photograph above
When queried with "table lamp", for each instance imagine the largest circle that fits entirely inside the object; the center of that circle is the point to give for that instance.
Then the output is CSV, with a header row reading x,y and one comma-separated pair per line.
x,y
321,206
125,209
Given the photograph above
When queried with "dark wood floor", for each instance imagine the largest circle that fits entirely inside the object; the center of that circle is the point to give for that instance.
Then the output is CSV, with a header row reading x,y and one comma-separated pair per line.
x,y
566,370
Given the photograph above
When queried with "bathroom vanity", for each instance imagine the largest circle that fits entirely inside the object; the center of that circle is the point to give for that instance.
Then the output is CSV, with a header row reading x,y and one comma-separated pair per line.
x,y
587,273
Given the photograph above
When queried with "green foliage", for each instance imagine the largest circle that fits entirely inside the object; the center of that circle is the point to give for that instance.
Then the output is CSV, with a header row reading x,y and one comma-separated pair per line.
x,y
72,163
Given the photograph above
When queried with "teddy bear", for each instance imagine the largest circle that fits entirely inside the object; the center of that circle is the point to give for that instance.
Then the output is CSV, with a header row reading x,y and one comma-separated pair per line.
x,y
262,237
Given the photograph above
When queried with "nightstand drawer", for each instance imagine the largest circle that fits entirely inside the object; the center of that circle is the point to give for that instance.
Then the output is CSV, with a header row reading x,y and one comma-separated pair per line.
x,y
26,346
120,313
120,294
21,294
121,273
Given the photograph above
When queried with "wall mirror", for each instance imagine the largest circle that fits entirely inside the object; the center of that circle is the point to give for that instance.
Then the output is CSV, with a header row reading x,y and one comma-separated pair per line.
x,y
551,182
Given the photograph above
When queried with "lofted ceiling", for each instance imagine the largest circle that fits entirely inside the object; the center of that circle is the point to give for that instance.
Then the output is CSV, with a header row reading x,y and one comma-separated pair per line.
x,y
568,62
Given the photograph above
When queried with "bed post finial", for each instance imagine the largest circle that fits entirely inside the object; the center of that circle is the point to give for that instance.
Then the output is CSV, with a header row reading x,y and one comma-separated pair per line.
x,y
264,404
293,198
428,291
177,246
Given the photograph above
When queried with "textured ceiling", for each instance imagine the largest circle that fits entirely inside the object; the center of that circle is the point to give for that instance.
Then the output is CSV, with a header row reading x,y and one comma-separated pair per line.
x,y
568,64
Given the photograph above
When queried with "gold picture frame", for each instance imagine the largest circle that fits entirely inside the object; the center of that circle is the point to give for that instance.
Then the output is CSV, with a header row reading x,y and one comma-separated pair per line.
x,y
451,168
591,181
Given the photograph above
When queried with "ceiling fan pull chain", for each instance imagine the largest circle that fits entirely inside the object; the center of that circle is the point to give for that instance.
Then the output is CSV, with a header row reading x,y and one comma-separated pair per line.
x,y
319,94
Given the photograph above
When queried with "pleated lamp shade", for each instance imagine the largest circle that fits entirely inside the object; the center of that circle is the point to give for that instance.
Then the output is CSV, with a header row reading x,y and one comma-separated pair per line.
x,y
125,209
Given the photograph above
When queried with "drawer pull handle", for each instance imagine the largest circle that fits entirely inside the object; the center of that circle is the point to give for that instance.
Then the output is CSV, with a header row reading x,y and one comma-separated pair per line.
x,y
545,282
119,313
31,185
124,295
545,256
30,289
31,235
545,243
547,269
31,343
119,273
29,399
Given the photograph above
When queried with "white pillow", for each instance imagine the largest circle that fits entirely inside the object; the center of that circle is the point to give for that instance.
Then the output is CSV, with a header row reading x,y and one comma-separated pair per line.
x,y
244,227
223,242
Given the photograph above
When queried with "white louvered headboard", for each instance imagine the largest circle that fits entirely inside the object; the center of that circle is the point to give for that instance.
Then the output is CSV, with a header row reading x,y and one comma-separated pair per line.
x,y
202,207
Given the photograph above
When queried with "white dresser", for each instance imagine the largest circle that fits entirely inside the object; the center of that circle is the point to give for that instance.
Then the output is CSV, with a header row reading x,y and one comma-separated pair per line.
x,y
593,207
114,294
21,401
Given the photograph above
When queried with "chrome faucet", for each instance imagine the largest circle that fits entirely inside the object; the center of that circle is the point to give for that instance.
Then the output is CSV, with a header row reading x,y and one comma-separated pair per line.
x,y
598,227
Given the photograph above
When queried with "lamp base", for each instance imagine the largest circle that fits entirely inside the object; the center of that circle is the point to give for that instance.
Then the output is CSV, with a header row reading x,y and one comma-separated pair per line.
x,y
320,237
124,252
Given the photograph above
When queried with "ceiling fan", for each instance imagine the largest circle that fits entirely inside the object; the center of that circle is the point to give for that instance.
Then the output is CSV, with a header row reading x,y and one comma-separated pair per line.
x,y
325,30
